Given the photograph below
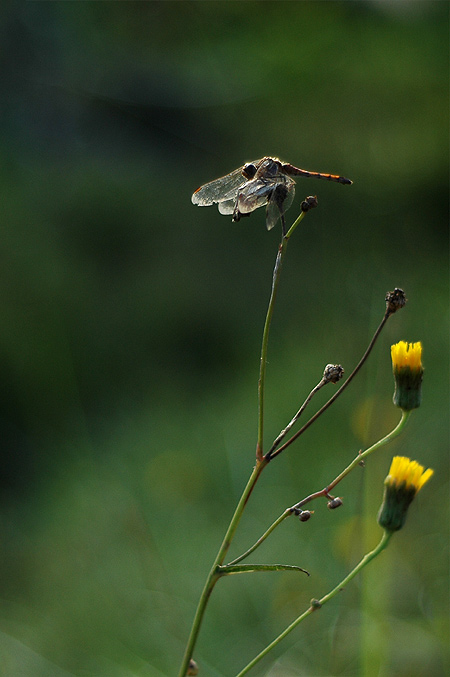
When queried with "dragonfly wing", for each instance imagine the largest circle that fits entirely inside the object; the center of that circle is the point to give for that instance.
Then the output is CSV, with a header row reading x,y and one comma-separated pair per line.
x,y
227,206
219,190
254,194
276,207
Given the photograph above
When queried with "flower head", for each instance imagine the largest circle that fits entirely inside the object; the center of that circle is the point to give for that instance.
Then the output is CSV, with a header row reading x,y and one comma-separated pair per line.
x,y
395,300
408,374
404,481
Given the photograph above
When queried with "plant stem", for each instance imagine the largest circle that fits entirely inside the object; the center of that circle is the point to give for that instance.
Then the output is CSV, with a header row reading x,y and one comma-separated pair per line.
x,y
356,461
319,603
261,463
214,574
265,340
263,537
294,420
338,392
326,490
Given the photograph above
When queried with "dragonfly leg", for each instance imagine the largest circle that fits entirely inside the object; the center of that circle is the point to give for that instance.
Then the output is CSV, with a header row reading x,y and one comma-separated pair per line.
x,y
281,193
283,223
237,214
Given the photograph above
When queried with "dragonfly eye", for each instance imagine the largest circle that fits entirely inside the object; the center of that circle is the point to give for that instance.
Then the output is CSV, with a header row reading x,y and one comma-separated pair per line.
x,y
249,170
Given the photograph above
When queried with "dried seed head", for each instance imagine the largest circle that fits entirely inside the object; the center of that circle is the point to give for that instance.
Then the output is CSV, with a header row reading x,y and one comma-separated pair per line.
x,y
309,203
395,300
333,373
334,503
305,515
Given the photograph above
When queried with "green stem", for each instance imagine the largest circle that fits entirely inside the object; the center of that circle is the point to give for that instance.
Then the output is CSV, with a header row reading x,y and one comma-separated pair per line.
x,y
356,461
338,392
384,440
316,604
294,420
261,463
265,340
215,573
263,537
324,492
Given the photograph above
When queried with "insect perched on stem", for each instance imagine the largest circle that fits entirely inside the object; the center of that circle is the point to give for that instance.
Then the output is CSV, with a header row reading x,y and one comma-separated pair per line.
x,y
266,182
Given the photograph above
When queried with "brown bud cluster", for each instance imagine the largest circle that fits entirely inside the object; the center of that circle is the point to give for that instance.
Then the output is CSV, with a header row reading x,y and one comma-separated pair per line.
x,y
333,373
395,300
309,203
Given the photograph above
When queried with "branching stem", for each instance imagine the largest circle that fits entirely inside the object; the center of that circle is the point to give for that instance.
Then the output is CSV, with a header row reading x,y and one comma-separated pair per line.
x,y
325,492
338,392
317,604
261,462
356,461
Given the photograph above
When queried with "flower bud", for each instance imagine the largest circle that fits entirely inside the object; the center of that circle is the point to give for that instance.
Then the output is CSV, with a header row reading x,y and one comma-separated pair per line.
x,y
333,373
334,503
395,300
404,481
408,374
309,203
305,515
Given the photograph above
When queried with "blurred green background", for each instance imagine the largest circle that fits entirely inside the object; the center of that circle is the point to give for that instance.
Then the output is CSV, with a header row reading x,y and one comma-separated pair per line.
x,y
131,324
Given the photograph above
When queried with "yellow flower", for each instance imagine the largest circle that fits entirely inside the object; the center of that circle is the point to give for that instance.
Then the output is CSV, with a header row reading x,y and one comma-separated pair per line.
x,y
407,355
405,480
407,472
408,374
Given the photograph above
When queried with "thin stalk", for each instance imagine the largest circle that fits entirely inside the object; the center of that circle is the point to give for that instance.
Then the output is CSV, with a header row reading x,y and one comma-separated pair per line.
x,y
326,490
317,604
338,392
214,573
356,461
294,420
263,537
265,340
261,463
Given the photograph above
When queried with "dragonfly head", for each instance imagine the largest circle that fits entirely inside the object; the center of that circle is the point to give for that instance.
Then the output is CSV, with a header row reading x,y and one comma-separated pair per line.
x,y
249,170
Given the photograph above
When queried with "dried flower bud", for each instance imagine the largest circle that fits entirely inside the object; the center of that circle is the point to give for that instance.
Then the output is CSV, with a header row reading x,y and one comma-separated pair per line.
x,y
333,373
334,503
395,300
305,515
309,203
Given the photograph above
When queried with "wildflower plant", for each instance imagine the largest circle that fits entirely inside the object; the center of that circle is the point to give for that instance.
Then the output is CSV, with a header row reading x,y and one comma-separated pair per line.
x,y
402,484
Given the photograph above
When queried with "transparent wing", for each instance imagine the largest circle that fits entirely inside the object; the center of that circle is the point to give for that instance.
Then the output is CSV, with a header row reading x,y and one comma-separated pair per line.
x,y
254,194
227,207
275,208
220,190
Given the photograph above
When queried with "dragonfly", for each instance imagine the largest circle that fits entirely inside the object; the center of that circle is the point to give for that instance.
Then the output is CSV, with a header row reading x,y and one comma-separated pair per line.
x,y
266,182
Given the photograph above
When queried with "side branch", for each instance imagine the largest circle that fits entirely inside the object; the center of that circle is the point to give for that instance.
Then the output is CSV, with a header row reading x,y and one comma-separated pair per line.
x,y
318,603
325,492
337,393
